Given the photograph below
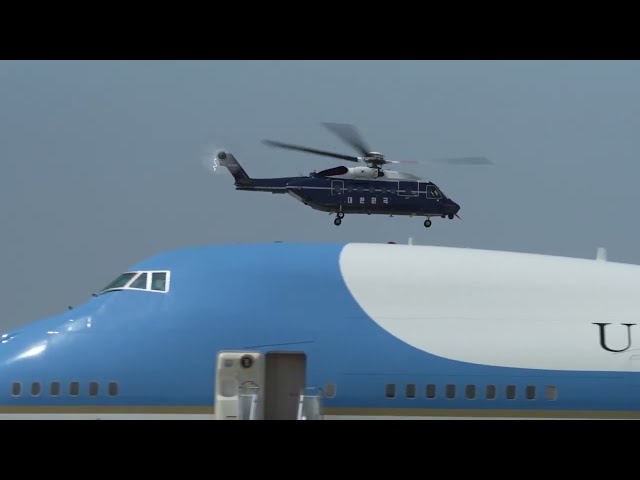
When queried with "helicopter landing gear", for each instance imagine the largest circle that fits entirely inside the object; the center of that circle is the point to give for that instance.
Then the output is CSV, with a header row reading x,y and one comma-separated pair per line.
x,y
340,215
427,223
337,221
451,216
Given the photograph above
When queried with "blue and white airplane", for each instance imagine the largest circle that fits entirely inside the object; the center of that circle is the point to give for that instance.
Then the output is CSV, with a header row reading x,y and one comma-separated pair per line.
x,y
345,330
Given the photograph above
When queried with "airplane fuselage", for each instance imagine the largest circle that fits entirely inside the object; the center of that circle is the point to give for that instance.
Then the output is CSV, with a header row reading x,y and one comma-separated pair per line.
x,y
390,330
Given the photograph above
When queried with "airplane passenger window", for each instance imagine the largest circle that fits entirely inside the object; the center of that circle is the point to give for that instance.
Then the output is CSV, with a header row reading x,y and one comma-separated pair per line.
x,y
54,389
491,392
93,389
410,390
113,388
431,391
74,389
16,389
330,390
159,281
35,389
530,392
390,391
140,282
511,392
450,391
551,392
470,392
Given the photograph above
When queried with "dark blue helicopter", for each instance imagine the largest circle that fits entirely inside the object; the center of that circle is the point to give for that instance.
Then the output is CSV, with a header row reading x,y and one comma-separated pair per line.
x,y
366,189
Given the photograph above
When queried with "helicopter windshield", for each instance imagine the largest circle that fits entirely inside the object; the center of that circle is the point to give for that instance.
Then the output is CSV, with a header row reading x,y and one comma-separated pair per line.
x,y
434,192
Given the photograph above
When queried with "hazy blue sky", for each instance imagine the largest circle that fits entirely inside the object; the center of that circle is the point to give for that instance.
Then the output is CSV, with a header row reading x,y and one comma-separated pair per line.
x,y
102,160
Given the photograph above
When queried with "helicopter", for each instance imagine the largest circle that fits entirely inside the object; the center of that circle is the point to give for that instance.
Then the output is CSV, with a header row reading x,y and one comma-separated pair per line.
x,y
369,189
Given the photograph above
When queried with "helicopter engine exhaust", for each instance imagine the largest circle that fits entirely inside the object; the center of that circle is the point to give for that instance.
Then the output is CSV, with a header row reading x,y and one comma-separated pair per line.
x,y
351,172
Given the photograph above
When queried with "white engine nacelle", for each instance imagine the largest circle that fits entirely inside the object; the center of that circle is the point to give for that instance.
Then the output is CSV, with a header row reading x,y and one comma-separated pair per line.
x,y
362,172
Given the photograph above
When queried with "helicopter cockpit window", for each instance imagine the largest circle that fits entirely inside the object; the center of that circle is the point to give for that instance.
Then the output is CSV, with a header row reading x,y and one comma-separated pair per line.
x,y
432,192
140,281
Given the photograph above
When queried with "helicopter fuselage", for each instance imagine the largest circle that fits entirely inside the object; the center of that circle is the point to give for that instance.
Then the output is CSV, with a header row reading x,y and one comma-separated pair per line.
x,y
369,189
343,195
360,190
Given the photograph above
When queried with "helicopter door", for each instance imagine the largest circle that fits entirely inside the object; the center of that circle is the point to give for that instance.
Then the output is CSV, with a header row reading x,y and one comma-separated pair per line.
x,y
337,187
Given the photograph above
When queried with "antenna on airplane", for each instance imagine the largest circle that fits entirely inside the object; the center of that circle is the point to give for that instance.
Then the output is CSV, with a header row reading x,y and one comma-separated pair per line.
x,y
602,254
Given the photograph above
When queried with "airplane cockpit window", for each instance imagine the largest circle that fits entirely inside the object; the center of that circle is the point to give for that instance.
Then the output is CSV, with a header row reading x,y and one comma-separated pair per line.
x,y
157,281
120,282
140,281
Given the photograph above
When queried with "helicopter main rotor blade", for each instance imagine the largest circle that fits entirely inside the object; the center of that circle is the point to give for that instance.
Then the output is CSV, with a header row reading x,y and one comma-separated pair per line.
x,y
413,162
464,161
299,148
350,135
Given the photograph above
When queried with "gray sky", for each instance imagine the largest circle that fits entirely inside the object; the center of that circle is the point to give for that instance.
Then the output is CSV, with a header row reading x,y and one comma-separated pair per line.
x,y
102,160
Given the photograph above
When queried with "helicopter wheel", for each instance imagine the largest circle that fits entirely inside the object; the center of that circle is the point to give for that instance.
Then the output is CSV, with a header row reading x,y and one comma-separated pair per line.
x,y
427,223
451,216
340,214
337,221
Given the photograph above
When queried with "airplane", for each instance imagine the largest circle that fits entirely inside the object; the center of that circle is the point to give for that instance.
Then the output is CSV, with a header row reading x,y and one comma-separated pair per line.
x,y
369,189
315,331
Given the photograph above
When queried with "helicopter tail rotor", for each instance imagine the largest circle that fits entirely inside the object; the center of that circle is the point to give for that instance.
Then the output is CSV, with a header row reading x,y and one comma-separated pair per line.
x,y
212,163
210,158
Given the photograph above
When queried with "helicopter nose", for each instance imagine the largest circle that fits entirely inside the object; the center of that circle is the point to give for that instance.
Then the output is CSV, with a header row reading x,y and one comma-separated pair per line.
x,y
452,207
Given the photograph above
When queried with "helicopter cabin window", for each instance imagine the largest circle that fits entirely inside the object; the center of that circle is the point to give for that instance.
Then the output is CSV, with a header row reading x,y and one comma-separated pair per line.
x,y
156,281
432,192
